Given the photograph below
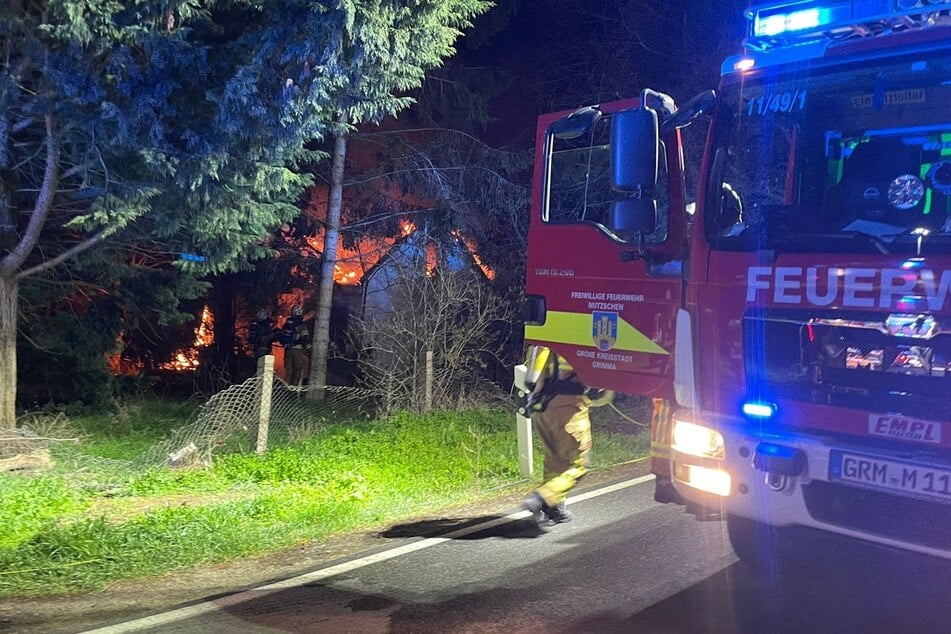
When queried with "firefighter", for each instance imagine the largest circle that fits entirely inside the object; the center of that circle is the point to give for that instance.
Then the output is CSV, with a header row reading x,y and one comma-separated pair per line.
x,y
559,403
262,334
295,337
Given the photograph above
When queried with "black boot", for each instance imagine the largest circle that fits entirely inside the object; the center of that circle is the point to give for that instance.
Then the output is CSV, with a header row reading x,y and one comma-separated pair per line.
x,y
557,514
535,504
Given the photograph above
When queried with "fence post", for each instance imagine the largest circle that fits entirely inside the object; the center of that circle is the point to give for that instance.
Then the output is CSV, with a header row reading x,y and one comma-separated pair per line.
x,y
428,394
523,427
266,372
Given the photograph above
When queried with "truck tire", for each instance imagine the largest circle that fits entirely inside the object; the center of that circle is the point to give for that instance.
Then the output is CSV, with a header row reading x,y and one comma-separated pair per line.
x,y
765,549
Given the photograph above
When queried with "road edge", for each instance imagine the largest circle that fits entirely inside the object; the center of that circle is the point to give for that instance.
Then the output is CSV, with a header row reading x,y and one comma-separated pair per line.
x,y
212,605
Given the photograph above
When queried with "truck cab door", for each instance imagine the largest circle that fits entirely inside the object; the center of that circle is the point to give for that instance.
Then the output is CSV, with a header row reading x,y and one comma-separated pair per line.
x,y
606,302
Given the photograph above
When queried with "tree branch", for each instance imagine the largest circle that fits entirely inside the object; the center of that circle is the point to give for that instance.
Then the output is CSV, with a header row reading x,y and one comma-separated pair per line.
x,y
381,217
41,210
21,125
76,169
68,253
430,169
366,136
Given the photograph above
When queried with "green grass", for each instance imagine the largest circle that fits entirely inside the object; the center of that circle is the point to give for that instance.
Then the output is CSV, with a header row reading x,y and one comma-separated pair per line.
x,y
129,429
612,449
61,534
27,505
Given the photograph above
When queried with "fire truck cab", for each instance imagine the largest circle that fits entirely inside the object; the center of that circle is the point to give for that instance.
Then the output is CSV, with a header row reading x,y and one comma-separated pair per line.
x,y
799,317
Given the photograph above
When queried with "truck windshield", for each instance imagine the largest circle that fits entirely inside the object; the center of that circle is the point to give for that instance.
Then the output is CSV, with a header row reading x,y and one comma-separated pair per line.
x,y
855,160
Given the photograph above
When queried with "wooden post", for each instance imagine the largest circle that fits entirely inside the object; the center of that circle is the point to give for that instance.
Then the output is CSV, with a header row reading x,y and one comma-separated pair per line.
x,y
523,428
266,372
428,393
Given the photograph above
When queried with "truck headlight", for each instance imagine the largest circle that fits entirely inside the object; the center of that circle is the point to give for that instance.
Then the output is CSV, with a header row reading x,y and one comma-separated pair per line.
x,y
697,440
716,481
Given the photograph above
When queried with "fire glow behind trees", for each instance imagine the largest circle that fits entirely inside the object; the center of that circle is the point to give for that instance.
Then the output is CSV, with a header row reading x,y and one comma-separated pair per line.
x,y
181,122
387,48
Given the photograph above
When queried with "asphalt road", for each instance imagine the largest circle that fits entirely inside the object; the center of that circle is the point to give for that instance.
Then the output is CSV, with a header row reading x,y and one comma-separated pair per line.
x,y
625,564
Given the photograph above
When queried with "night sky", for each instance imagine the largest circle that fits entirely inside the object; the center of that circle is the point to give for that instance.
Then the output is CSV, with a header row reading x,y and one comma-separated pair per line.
x,y
535,56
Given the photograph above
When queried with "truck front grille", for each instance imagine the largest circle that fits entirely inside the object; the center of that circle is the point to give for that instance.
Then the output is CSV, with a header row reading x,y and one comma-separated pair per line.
x,y
844,361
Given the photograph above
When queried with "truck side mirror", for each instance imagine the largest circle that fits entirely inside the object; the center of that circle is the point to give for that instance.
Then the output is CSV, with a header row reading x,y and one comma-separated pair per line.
x,y
577,123
635,146
635,149
632,217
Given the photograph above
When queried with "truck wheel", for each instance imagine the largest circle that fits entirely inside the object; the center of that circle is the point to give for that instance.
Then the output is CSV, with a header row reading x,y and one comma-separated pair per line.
x,y
765,549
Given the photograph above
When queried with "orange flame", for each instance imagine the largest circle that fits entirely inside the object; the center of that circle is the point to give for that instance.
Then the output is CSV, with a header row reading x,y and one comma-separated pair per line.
x,y
205,333
353,263
119,365
489,271
187,360
473,250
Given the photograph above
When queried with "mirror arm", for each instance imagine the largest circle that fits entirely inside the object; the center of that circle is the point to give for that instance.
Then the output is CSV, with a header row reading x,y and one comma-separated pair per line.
x,y
660,102
641,252
688,113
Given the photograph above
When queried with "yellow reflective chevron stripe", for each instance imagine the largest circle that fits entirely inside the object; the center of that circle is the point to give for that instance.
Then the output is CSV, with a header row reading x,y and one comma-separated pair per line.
x,y
575,329
661,428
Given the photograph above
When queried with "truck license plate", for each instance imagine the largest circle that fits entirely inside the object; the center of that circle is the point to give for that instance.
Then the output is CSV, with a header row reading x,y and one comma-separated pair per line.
x,y
902,477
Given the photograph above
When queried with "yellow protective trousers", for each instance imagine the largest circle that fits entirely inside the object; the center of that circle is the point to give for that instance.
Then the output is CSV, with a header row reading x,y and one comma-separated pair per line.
x,y
565,430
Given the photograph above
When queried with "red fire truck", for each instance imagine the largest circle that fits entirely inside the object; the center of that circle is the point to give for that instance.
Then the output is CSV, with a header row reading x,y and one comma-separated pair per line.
x,y
797,316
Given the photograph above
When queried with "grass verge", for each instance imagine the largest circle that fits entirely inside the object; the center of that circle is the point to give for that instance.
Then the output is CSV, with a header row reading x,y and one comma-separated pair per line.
x,y
59,534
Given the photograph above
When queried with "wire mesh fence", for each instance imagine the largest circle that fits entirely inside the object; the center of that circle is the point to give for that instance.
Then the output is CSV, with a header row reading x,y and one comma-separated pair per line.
x,y
250,416
233,420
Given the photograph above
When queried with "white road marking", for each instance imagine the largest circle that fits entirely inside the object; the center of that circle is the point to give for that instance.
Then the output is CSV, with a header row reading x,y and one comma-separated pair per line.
x,y
206,607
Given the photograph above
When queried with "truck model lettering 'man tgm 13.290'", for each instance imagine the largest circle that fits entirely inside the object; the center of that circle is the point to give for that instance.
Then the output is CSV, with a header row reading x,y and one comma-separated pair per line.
x,y
800,318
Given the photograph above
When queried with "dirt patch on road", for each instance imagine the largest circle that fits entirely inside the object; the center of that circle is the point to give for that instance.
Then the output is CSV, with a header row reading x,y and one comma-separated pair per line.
x,y
134,598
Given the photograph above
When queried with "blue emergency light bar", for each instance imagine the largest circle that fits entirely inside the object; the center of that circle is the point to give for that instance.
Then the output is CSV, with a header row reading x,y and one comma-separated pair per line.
x,y
771,24
759,409
777,24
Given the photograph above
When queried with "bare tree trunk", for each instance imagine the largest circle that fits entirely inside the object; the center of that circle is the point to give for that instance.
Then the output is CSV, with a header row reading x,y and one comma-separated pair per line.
x,y
10,275
8,351
321,346
7,211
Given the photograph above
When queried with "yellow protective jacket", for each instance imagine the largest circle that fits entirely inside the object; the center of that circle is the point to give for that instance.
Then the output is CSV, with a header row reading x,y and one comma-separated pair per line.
x,y
543,364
